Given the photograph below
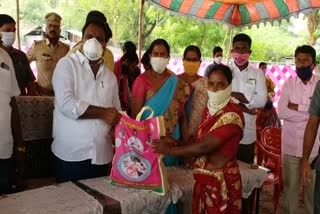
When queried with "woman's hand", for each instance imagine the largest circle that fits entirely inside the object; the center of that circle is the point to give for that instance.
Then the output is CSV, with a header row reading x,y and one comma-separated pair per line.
x,y
161,146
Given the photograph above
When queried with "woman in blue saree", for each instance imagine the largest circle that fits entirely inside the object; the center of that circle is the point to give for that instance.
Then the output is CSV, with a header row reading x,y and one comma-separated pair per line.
x,y
163,91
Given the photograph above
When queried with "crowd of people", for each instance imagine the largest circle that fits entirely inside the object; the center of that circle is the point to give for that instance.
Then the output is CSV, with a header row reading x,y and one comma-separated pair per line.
x,y
211,121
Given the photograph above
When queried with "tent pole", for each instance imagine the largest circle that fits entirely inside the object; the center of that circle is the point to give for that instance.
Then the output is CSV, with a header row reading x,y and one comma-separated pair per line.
x,y
140,30
225,38
18,24
230,44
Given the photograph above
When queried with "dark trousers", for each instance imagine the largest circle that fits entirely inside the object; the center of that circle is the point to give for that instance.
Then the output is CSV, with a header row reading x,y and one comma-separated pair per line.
x,y
317,194
5,165
246,154
78,170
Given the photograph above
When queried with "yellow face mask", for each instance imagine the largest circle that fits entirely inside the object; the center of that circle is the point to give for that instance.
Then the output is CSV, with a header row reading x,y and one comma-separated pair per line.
x,y
191,68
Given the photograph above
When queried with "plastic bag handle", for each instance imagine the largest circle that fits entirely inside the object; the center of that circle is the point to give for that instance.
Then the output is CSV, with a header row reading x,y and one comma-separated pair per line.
x,y
139,115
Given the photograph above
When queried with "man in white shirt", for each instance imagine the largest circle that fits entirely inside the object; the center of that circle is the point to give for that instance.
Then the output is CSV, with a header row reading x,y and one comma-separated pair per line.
x,y
86,108
8,89
249,89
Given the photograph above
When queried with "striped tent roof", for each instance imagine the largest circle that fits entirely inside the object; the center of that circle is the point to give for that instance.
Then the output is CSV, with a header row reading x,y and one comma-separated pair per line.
x,y
238,13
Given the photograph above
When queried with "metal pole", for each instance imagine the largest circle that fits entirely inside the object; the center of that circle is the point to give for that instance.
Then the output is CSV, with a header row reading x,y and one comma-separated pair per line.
x,y
140,30
18,24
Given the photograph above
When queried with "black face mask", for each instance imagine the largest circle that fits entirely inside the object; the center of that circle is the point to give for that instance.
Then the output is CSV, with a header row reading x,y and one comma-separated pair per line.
x,y
304,73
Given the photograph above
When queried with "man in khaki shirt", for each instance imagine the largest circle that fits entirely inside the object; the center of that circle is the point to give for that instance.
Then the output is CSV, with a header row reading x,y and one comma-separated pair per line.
x,y
47,53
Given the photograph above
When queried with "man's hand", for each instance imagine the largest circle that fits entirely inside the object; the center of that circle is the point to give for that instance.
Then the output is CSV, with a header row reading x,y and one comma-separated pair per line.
x,y
111,116
247,110
239,96
293,106
305,172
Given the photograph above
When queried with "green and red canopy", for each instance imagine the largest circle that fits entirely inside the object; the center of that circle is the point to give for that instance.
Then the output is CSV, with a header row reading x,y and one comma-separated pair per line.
x,y
238,13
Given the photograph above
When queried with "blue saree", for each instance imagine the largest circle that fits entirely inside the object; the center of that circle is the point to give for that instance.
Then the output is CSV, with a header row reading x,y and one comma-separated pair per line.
x,y
160,102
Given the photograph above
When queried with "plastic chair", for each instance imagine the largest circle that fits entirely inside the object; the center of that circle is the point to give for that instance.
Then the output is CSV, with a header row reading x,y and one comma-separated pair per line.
x,y
271,139
274,175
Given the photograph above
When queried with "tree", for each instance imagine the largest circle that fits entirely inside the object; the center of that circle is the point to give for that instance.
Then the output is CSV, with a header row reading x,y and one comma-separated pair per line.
x,y
313,23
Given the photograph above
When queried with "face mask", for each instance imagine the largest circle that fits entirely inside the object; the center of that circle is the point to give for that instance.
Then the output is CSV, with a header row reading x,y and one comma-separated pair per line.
x,y
92,49
159,64
240,59
219,99
304,73
8,38
218,60
191,68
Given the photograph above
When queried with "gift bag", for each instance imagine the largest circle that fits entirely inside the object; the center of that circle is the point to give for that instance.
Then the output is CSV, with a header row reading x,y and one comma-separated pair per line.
x,y
134,164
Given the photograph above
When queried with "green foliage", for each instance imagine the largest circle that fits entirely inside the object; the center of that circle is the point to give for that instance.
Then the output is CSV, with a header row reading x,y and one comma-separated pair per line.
x,y
273,43
318,60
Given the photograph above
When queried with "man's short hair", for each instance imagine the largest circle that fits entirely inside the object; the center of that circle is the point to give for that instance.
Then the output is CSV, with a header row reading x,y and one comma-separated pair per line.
x,y
99,19
217,49
307,49
262,64
6,19
241,37
99,23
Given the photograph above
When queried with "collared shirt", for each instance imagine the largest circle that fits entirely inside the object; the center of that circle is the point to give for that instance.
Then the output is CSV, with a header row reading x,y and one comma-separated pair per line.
x,y
46,56
76,89
294,122
22,69
8,88
252,83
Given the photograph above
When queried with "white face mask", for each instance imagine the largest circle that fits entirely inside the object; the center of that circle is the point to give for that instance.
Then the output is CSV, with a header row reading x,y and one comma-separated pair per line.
x,y
159,64
218,60
218,100
8,38
92,49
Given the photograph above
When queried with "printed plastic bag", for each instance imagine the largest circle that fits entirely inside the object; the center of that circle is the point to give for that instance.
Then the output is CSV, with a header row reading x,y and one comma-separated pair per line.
x,y
134,163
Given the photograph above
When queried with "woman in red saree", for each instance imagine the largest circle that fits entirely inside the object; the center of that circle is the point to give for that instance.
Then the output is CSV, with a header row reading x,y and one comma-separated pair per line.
x,y
217,187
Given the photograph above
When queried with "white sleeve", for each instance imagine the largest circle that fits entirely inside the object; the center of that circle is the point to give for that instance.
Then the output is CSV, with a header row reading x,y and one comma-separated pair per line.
x,y
63,86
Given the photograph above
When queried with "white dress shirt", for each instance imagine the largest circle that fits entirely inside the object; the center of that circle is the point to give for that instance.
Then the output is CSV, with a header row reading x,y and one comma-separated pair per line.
x,y
76,89
8,88
252,83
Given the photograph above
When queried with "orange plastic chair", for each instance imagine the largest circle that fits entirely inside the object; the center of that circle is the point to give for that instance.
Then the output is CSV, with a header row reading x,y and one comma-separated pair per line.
x,y
274,175
271,140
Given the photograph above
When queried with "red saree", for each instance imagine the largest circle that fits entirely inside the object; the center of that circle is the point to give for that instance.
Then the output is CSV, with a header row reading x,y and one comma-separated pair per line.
x,y
219,191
